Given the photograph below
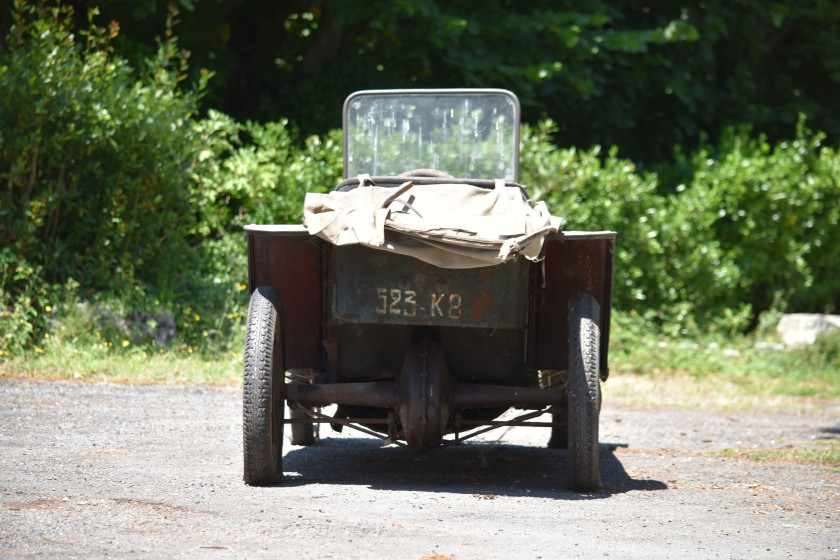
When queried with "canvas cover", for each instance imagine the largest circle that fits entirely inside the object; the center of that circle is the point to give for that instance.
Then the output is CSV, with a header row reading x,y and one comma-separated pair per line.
x,y
450,225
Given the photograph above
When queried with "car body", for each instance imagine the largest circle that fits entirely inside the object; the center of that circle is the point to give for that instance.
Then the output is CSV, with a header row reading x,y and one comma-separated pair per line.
x,y
418,354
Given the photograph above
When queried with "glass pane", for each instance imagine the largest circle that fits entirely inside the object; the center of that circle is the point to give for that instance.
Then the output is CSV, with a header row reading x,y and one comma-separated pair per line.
x,y
466,133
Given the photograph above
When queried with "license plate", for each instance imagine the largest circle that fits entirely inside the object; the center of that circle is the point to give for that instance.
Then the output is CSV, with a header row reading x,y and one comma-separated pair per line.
x,y
372,286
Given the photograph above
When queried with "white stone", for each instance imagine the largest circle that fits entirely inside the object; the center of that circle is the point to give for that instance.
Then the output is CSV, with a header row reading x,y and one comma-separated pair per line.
x,y
801,329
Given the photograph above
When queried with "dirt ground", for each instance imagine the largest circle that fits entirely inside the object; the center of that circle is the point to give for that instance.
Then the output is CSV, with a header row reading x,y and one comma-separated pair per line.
x,y
99,470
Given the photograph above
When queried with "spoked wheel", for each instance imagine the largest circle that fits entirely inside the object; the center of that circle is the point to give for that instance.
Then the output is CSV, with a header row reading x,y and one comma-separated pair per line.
x,y
263,390
584,392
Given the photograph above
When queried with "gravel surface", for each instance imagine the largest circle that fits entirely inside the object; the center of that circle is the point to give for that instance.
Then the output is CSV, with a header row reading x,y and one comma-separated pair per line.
x,y
98,470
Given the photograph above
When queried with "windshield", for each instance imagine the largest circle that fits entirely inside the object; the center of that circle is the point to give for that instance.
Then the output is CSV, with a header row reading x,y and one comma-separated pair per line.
x,y
468,133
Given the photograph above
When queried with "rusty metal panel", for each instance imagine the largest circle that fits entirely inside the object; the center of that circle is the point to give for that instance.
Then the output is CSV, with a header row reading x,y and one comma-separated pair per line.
x,y
369,351
289,259
573,263
377,287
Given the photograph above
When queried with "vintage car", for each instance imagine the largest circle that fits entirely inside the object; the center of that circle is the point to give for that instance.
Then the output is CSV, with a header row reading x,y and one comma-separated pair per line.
x,y
426,295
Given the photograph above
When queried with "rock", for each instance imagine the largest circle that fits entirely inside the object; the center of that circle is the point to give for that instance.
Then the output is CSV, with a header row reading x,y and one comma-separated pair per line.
x,y
802,329
158,326
770,346
140,327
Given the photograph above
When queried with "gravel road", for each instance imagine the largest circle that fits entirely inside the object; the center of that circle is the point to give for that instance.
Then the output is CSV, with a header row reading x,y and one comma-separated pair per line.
x,y
98,470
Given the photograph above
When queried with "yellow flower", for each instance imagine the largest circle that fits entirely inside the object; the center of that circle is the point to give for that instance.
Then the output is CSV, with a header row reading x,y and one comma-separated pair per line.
x,y
197,317
48,308
125,343
241,287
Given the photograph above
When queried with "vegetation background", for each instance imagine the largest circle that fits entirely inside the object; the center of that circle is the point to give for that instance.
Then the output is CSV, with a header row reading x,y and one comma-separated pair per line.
x,y
136,138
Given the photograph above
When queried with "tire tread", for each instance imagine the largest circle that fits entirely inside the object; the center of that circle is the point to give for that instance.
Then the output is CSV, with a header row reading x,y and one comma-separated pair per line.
x,y
584,394
262,459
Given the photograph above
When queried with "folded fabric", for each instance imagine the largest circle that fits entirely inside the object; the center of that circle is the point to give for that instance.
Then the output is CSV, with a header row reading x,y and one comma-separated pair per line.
x,y
448,225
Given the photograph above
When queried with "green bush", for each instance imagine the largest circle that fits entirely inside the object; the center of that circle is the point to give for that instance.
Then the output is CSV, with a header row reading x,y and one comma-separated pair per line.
x,y
93,158
754,227
93,162
114,193
245,173
258,173
773,211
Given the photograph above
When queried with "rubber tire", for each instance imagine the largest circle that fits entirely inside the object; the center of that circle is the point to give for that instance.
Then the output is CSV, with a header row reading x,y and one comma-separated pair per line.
x,y
584,391
302,434
263,392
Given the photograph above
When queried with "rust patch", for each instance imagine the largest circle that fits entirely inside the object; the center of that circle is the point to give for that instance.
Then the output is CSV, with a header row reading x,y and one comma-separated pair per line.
x,y
480,307
159,507
38,504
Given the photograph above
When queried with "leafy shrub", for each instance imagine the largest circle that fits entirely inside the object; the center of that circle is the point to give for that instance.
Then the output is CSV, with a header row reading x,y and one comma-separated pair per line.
x,y
93,158
754,227
773,213
93,161
257,173
245,173
593,191
113,192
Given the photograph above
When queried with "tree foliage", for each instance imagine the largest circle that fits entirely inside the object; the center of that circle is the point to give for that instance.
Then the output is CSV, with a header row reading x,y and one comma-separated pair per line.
x,y
642,76
757,226
93,158
114,181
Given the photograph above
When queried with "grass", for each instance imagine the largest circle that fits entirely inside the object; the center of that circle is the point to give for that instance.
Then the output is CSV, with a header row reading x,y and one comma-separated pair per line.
x,y
138,365
719,372
666,388
81,345
825,452
709,371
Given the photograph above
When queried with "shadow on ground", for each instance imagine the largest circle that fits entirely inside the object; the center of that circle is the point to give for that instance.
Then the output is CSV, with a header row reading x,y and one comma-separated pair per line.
x,y
484,469
830,433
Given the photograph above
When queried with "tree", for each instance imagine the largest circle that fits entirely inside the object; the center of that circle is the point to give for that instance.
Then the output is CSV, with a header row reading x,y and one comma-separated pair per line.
x,y
93,156
641,76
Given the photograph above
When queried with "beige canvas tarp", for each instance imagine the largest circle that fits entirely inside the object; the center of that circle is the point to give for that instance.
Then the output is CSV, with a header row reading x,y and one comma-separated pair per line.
x,y
448,225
